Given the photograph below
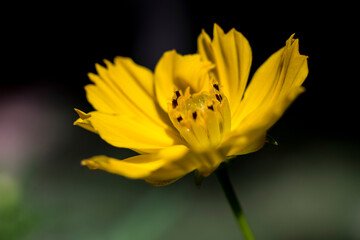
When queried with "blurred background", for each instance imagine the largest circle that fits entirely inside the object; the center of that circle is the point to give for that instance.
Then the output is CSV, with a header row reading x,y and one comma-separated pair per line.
x,y
308,187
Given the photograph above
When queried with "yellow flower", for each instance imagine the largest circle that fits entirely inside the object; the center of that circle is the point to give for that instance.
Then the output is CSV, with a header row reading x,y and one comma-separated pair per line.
x,y
195,111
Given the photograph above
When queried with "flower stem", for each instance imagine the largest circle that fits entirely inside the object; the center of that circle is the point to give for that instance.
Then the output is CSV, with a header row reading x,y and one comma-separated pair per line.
x,y
224,180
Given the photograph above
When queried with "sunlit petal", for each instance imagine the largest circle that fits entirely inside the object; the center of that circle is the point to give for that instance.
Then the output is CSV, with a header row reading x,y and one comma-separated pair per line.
x,y
124,87
232,56
131,132
277,78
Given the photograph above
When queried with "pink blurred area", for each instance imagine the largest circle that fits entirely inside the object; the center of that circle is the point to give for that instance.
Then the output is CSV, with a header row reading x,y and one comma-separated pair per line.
x,y
30,126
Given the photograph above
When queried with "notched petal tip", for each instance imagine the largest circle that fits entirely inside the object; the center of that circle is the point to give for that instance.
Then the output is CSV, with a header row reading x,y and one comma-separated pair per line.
x,y
82,114
294,43
217,29
83,121
78,122
99,67
121,60
107,62
291,38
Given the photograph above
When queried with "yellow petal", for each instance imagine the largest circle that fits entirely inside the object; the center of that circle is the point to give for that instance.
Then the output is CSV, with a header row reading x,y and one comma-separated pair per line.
x,y
232,56
83,121
277,78
124,87
132,132
275,85
163,166
268,115
177,72
243,142
82,115
160,168
250,135
138,167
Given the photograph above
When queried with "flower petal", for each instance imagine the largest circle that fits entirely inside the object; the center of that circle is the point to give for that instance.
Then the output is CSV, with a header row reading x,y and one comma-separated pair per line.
x,y
232,56
276,79
275,85
177,72
250,135
132,132
159,168
83,121
239,143
125,88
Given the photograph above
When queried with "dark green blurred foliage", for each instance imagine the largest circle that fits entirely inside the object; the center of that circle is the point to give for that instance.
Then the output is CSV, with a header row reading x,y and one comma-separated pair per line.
x,y
16,220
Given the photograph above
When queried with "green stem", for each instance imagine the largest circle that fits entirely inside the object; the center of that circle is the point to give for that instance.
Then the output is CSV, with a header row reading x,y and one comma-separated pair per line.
x,y
224,180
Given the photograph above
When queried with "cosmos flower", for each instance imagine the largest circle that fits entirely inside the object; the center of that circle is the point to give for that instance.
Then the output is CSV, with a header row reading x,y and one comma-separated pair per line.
x,y
195,111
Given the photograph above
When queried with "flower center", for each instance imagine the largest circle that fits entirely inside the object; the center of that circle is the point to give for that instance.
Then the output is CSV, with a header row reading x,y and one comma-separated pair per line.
x,y
202,118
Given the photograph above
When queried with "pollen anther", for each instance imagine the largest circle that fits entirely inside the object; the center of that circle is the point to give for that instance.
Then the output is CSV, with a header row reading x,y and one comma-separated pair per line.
x,y
218,97
174,103
177,93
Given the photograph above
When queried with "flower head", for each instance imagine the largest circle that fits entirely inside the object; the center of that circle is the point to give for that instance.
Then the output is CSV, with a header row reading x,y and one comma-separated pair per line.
x,y
195,111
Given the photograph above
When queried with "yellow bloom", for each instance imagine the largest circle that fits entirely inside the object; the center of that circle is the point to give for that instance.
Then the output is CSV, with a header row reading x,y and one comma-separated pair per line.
x,y
194,111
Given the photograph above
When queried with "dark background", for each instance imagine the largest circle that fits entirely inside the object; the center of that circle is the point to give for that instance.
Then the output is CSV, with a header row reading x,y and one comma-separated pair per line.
x,y
306,188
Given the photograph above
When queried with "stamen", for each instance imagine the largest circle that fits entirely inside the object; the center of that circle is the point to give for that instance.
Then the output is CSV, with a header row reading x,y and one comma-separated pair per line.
x,y
177,94
174,103
202,118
